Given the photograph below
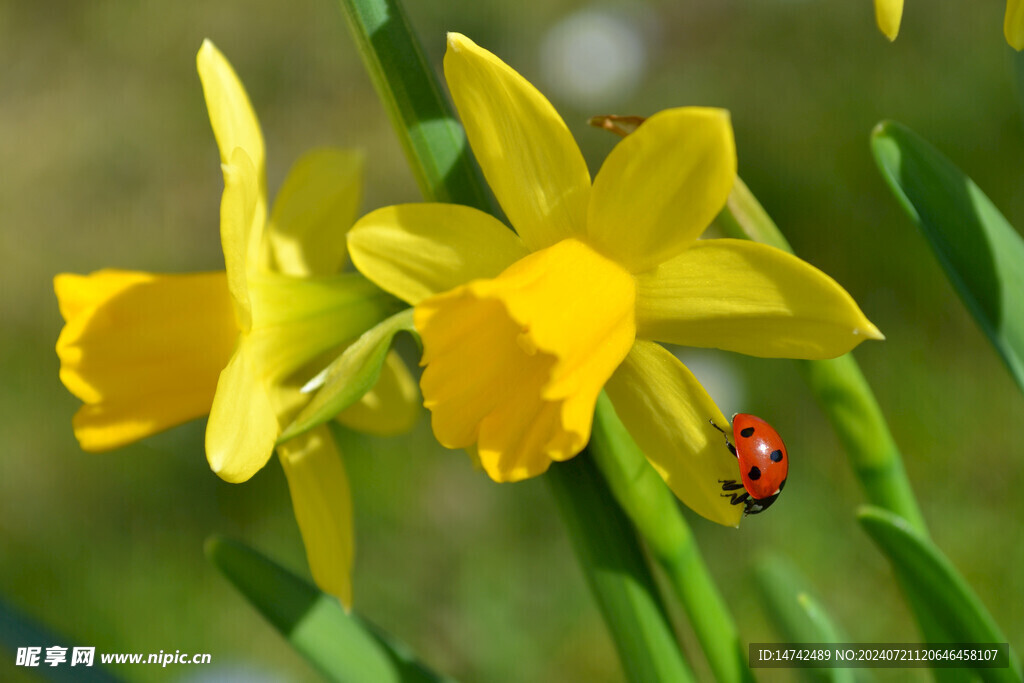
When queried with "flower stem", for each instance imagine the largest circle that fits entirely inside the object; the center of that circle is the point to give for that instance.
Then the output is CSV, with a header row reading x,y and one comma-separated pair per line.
x,y
619,577
840,386
433,140
653,509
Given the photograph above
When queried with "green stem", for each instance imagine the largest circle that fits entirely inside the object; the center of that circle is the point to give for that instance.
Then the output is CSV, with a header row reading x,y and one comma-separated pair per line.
x,y
424,121
655,513
436,147
840,386
617,573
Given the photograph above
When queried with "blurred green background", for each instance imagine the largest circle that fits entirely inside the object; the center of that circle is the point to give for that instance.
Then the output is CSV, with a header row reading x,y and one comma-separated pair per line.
x,y
107,160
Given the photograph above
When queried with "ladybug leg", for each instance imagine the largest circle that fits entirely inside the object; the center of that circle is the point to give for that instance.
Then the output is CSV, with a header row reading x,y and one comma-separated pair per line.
x,y
732,449
737,498
734,498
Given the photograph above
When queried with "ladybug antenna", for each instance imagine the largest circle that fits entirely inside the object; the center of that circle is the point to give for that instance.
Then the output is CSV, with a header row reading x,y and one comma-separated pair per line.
x,y
732,449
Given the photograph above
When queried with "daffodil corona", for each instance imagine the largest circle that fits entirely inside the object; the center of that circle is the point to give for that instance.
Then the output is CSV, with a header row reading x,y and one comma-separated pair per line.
x,y
521,330
889,14
146,351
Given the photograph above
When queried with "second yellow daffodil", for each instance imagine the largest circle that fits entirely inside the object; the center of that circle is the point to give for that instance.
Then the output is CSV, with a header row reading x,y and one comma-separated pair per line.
x,y
147,351
522,330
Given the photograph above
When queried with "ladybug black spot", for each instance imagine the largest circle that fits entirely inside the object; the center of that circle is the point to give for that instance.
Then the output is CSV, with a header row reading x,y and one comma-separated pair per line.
x,y
776,456
748,432
754,473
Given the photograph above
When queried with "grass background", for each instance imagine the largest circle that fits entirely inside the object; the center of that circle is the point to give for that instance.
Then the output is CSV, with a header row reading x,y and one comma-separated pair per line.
x,y
107,160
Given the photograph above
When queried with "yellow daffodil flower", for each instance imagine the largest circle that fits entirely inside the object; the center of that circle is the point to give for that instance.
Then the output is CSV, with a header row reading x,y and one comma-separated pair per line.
x,y
521,330
889,13
146,351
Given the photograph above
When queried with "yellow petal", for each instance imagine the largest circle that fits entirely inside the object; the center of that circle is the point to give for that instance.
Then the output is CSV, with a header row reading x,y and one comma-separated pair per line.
x,y
661,186
143,351
241,229
667,412
231,115
515,364
750,298
888,14
390,407
1013,24
417,250
243,424
524,148
314,210
323,509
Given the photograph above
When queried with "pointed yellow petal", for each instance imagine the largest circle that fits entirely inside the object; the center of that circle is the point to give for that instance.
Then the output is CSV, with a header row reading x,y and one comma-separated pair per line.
x,y
666,410
243,424
390,407
526,151
661,186
143,351
515,364
750,298
231,115
888,14
323,509
241,228
417,250
314,210
1013,24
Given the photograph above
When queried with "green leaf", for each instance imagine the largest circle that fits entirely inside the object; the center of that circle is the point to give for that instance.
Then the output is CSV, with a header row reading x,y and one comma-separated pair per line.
x,y
431,135
350,375
982,254
340,645
800,617
618,575
938,592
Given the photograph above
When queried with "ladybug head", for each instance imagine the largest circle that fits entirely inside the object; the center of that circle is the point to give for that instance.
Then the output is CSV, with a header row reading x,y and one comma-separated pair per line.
x,y
755,506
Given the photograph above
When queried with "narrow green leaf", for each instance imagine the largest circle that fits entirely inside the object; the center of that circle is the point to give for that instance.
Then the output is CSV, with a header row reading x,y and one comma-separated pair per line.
x,y
431,135
931,628
655,513
350,375
340,645
800,618
614,566
982,254
19,630
955,609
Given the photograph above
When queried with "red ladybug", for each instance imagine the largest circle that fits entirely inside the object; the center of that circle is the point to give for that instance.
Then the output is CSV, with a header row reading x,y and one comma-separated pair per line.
x,y
764,463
